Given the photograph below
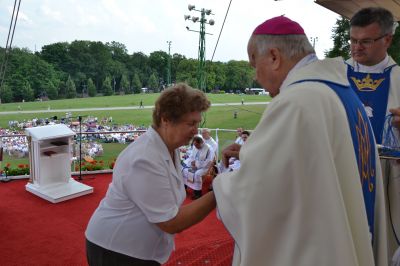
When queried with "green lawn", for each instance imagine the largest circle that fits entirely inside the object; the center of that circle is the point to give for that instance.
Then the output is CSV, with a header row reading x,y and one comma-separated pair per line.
x,y
119,101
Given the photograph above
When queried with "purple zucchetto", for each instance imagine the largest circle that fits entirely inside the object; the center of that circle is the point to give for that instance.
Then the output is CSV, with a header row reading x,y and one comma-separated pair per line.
x,y
279,26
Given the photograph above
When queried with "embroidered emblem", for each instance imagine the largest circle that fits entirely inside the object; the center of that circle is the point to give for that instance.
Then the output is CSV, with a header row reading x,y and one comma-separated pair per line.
x,y
367,83
369,110
367,170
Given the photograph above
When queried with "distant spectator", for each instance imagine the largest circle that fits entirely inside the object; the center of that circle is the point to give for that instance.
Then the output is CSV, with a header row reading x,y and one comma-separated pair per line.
x,y
245,135
239,140
205,133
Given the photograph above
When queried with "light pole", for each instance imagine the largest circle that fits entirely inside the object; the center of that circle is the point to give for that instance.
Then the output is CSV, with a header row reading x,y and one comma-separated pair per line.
x,y
313,41
169,64
201,75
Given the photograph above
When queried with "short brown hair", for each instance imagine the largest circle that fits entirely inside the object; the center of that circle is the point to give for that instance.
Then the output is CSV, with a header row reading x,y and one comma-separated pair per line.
x,y
177,101
198,139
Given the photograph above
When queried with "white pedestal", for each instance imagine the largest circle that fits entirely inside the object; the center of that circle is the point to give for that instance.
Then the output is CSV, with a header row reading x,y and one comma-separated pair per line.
x,y
50,164
58,192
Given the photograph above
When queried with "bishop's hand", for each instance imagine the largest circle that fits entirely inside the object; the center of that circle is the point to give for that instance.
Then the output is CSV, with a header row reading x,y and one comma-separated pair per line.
x,y
231,151
396,117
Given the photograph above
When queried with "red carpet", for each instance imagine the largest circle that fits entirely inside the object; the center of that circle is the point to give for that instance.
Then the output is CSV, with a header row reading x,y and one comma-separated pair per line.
x,y
34,231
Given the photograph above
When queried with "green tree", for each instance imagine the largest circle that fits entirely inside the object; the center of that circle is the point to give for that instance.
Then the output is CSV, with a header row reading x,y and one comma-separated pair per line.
x,y
139,63
239,75
102,60
91,88
62,89
153,83
220,75
70,88
341,37
16,82
176,59
23,66
27,92
57,54
6,94
394,49
158,61
125,85
187,72
51,90
49,70
136,84
118,51
106,87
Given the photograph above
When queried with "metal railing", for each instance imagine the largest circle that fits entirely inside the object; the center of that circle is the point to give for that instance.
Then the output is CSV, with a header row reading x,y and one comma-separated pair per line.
x,y
111,147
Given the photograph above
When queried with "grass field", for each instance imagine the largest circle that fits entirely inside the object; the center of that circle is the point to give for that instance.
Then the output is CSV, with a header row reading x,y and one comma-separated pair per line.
x,y
119,100
221,117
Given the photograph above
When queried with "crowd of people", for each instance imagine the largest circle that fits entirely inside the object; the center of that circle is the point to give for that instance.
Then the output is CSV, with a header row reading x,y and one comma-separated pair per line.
x,y
94,134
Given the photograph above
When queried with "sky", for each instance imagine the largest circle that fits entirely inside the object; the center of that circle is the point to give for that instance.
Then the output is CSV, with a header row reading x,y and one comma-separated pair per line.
x,y
148,25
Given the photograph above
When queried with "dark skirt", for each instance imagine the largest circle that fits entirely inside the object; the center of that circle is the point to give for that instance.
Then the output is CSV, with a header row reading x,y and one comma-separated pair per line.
x,y
99,256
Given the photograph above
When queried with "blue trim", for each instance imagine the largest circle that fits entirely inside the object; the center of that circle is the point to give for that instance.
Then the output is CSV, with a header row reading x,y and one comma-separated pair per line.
x,y
363,143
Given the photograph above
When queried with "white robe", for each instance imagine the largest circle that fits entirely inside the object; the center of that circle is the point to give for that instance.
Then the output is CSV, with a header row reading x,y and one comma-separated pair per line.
x,y
213,145
297,197
390,168
202,159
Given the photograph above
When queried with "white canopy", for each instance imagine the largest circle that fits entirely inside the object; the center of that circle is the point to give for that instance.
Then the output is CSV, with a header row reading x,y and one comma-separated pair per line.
x,y
347,8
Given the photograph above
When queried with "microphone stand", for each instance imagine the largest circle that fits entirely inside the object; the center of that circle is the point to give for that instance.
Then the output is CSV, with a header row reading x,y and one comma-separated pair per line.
x,y
80,147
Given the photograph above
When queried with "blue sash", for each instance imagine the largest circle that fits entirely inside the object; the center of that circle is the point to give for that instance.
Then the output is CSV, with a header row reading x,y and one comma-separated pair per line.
x,y
363,142
373,91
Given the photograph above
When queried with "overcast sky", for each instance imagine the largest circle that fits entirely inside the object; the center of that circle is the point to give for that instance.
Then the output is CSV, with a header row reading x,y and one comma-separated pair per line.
x,y
146,25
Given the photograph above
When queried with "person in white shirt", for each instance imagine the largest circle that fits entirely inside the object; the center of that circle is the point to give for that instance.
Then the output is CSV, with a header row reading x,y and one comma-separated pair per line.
x,y
198,164
206,134
135,222
245,135
309,188
239,139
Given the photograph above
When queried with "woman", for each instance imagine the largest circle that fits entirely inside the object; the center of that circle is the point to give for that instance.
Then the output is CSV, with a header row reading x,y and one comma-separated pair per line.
x,y
135,222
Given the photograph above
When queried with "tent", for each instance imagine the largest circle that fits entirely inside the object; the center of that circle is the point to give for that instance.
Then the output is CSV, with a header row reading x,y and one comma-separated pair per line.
x,y
347,8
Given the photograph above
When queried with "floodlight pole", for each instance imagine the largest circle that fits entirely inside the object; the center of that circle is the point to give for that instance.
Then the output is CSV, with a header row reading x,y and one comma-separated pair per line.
x,y
169,64
201,71
313,40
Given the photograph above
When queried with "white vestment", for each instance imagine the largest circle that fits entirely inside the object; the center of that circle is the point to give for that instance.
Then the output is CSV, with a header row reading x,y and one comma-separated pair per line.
x,y
297,197
202,158
390,168
213,144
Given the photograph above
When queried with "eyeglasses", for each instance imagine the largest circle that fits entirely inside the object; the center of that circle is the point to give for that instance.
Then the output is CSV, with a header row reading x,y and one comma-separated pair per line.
x,y
365,42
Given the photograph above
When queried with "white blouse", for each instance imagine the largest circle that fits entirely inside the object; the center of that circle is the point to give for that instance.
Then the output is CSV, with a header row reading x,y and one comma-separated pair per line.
x,y
147,188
